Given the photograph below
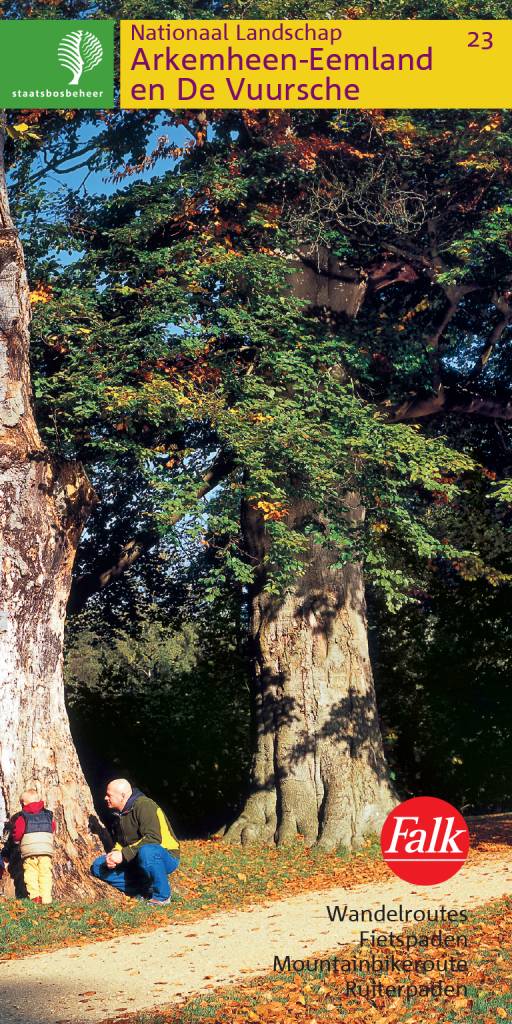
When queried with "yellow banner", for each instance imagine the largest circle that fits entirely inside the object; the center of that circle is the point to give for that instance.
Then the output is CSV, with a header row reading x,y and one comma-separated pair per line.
x,y
250,64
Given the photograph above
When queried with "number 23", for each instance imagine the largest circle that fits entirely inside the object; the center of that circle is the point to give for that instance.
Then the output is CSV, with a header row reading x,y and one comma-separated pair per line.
x,y
486,44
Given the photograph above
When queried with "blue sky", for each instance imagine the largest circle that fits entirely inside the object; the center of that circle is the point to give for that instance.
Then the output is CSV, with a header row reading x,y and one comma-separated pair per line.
x,y
100,184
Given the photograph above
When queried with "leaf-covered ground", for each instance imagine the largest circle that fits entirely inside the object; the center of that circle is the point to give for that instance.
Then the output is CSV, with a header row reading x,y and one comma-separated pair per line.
x,y
314,998
214,876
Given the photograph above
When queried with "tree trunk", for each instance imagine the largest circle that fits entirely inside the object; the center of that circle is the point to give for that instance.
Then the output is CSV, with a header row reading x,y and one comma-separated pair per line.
x,y
318,765
43,506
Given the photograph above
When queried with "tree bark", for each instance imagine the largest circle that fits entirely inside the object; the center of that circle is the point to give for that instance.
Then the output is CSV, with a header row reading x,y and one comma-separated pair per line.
x,y
318,766
44,503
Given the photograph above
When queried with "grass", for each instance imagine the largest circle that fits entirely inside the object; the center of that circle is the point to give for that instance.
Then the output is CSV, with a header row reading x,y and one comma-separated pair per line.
x,y
213,877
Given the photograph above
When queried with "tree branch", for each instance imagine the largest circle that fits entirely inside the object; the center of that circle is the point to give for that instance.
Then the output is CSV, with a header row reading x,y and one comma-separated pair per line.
x,y
459,400
83,587
116,564
454,295
463,403
53,165
502,303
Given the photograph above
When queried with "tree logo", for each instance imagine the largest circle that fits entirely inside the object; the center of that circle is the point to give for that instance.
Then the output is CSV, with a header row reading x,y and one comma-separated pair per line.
x,y
80,51
425,840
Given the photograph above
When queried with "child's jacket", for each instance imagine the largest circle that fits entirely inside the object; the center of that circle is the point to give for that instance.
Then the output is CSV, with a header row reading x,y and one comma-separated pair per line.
x,y
33,829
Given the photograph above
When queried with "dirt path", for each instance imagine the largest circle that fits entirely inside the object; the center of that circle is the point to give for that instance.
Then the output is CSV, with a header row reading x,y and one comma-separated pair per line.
x,y
137,972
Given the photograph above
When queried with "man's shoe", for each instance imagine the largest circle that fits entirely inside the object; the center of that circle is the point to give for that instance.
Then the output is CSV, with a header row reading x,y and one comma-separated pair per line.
x,y
159,903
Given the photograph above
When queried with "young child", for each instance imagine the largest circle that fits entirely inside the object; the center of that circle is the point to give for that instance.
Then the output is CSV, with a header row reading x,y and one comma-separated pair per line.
x,y
32,829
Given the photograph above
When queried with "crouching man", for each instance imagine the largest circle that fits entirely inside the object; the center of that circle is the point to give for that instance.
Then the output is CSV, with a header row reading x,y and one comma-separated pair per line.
x,y
146,850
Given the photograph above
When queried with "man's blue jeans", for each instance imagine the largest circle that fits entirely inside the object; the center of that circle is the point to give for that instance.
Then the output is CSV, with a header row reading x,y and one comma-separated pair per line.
x,y
145,875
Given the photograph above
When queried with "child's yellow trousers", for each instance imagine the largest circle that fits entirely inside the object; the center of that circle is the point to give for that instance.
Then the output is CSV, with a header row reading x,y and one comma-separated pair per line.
x,y
37,872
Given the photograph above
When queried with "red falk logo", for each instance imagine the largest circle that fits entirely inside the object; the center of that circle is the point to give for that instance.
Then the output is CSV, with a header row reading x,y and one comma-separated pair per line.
x,y
425,840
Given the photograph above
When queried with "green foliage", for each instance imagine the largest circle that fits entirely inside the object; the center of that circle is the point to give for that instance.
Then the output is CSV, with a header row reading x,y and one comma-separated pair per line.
x,y
443,669
166,705
175,335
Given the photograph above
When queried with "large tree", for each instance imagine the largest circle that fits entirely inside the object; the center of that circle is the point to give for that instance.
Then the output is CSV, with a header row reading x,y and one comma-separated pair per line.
x,y
179,342
44,502
268,318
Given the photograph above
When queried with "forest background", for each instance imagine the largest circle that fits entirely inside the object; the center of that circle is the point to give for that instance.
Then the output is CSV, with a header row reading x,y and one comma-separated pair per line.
x,y
277,344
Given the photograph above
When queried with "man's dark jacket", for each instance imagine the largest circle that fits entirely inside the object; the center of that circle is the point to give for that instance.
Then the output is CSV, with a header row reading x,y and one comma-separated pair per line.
x,y
141,822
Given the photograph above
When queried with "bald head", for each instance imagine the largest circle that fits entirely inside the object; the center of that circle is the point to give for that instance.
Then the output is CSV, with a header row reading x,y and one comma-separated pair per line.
x,y
118,792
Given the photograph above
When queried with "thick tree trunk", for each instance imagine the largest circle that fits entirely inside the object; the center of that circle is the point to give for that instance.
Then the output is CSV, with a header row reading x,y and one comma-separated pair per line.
x,y
318,764
43,506
318,767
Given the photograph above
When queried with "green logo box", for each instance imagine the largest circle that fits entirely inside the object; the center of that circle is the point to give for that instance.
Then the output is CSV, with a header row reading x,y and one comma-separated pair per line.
x,y
56,64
